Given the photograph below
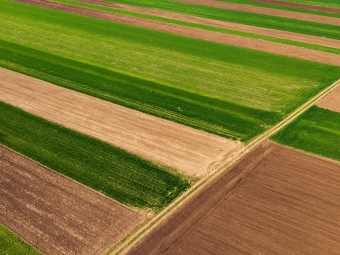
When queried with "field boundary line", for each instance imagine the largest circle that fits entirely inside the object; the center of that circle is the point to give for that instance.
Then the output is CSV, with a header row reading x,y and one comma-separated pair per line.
x,y
134,238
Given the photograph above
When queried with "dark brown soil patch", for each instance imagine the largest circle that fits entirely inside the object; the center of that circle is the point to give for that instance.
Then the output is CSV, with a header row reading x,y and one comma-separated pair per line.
x,y
56,214
276,200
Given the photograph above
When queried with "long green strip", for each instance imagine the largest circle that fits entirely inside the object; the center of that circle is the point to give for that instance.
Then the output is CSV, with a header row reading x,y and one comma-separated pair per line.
x,y
316,131
11,244
112,171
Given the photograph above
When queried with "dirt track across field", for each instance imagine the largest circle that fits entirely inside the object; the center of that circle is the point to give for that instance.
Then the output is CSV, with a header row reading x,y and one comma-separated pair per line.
x,y
167,143
56,214
276,200
331,101
222,24
299,5
256,44
266,11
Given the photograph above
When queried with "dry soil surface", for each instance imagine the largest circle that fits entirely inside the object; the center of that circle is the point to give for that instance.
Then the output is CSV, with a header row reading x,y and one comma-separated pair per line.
x,y
299,5
256,44
170,144
276,200
266,11
56,214
222,24
331,101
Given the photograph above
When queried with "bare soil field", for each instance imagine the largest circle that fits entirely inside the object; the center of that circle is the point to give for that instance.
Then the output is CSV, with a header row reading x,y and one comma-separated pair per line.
x,y
276,200
299,5
222,24
256,44
190,151
331,101
266,11
56,214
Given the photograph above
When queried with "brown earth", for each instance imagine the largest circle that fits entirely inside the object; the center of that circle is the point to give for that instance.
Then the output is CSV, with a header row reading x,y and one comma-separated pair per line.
x,y
276,200
256,44
56,214
266,11
183,148
299,5
331,101
222,24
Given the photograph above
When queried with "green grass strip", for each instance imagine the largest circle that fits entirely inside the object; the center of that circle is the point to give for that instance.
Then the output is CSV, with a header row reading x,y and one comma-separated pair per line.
x,y
316,131
11,244
201,26
114,172
253,19
327,3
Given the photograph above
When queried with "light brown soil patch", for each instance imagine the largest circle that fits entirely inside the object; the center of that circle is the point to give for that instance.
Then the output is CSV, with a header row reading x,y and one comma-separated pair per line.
x,y
266,11
276,200
223,24
256,44
331,101
183,148
56,214
299,5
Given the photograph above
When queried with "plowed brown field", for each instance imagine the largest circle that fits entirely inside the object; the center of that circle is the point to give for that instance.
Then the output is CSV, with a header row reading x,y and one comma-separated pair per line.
x,y
266,11
56,214
190,151
276,200
223,24
331,101
251,43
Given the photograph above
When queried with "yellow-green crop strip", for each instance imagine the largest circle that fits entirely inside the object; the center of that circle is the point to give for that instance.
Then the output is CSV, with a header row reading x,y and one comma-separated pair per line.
x,y
229,91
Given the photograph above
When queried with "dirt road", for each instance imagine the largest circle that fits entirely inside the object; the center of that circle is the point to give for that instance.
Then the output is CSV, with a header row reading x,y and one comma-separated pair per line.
x,y
331,101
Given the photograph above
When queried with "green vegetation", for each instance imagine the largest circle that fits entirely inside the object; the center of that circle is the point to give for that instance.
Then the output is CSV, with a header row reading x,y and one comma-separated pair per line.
x,y
11,244
205,27
329,3
112,171
247,18
193,82
316,131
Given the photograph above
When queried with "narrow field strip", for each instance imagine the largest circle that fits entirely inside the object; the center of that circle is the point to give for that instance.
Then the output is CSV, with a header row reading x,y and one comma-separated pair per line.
x,y
56,214
11,244
276,200
326,42
122,176
166,143
250,43
266,11
331,101
316,131
326,3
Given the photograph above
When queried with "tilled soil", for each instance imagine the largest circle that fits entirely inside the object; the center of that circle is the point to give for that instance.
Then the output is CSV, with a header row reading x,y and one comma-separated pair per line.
x,y
331,101
56,214
276,200
190,151
299,5
266,11
222,24
256,44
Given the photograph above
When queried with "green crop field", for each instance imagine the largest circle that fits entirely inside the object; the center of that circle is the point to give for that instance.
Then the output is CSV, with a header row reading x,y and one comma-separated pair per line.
x,y
328,3
247,18
316,131
11,244
205,27
112,171
225,90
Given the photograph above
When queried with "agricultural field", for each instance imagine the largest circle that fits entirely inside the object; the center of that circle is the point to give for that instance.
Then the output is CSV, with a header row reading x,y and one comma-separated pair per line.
x,y
123,122
276,200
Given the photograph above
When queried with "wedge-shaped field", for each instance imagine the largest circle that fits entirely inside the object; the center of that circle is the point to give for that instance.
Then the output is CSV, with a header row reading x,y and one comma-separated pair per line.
x,y
276,200
188,150
56,214
331,101
110,170
202,84
316,131
11,244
